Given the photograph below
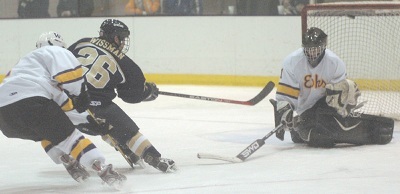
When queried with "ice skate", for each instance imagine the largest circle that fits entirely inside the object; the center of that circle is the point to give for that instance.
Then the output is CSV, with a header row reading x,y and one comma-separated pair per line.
x,y
166,165
162,164
74,168
108,174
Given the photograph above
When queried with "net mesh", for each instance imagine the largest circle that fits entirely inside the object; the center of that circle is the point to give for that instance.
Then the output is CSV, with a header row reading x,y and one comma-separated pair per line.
x,y
366,37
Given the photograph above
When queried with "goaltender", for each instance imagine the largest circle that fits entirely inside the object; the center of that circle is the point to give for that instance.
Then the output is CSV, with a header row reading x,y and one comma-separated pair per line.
x,y
313,84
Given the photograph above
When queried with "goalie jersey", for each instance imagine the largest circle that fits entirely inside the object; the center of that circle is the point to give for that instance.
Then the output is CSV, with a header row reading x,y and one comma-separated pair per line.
x,y
38,75
302,85
108,69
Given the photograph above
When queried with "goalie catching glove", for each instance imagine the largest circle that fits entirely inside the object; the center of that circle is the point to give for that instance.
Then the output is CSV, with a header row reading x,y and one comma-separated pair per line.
x,y
343,97
95,126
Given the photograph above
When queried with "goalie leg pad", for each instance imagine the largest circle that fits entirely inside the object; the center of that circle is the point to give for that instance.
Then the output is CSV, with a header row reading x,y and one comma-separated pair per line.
x,y
381,127
307,122
312,133
358,129
321,138
296,137
321,125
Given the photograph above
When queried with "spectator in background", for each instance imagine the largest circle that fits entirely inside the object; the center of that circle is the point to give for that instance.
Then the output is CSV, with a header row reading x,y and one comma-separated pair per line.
x,y
257,7
299,5
142,7
293,7
33,9
183,7
242,6
288,8
75,8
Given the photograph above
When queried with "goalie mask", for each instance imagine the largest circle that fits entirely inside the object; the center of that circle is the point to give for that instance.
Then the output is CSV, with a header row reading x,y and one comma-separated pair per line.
x,y
314,45
50,39
115,32
342,96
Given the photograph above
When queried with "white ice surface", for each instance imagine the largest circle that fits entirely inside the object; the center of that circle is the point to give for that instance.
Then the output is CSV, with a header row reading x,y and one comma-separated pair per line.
x,y
180,128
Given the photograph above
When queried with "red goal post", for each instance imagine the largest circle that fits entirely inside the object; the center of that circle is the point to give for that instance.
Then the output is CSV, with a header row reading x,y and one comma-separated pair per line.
x,y
366,36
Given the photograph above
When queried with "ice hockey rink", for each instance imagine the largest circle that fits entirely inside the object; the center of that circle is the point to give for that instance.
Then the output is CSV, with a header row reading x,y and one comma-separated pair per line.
x,y
180,128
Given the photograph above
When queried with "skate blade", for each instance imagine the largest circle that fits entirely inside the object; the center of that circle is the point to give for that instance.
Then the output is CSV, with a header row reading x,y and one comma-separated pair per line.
x,y
172,169
81,179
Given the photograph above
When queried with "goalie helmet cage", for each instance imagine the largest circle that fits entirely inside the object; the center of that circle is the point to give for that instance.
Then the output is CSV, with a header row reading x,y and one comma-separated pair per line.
x,y
366,36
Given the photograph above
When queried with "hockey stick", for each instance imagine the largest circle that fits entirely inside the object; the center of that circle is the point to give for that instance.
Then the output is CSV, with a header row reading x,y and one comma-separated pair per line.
x,y
260,96
117,146
243,155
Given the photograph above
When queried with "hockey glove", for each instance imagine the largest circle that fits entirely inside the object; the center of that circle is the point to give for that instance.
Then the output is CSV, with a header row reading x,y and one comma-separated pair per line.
x,y
282,111
95,126
150,91
82,101
287,120
285,109
343,97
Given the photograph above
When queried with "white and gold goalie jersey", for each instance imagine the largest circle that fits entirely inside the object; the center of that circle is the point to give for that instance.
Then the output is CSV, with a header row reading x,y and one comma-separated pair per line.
x,y
46,72
302,85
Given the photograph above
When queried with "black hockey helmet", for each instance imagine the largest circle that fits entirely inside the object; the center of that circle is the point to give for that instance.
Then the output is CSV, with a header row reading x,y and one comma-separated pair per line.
x,y
314,44
111,28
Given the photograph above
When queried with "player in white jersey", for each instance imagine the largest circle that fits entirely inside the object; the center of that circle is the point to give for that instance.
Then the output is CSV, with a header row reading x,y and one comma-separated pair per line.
x,y
34,96
313,84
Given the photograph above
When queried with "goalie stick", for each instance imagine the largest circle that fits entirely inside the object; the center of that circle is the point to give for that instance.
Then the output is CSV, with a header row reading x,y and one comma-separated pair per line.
x,y
247,152
260,96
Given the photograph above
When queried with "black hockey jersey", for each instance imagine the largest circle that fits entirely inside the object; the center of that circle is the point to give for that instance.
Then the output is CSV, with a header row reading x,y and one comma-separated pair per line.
x,y
108,72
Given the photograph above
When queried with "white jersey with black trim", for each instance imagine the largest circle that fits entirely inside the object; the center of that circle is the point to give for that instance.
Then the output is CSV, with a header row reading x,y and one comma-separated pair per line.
x,y
303,85
46,72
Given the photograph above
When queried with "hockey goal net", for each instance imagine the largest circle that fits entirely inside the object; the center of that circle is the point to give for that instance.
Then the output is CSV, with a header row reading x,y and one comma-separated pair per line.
x,y
366,36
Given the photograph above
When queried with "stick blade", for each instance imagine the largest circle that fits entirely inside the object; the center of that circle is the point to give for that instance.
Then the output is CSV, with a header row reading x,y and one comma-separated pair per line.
x,y
264,93
218,157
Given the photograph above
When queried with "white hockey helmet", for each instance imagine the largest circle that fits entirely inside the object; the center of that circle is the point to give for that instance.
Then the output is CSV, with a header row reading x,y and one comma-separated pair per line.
x,y
50,38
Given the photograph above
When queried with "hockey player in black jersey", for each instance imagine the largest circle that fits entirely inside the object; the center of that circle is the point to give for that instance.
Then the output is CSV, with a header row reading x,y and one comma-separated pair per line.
x,y
110,73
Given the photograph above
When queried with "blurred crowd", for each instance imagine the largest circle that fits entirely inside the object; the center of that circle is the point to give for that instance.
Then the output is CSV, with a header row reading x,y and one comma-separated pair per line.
x,y
88,8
